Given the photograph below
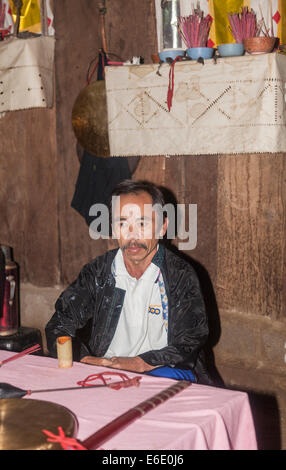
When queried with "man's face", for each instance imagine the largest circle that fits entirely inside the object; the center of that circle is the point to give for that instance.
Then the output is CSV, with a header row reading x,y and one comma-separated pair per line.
x,y
134,225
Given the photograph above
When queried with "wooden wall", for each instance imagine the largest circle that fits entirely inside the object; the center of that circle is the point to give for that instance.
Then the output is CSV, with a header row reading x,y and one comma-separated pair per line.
x,y
240,254
251,220
29,193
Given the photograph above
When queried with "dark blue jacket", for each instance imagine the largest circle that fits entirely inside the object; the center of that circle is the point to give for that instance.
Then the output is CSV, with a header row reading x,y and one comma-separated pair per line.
x,y
89,309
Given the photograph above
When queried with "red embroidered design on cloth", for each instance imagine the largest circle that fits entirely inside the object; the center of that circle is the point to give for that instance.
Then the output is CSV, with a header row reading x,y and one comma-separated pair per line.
x,y
276,17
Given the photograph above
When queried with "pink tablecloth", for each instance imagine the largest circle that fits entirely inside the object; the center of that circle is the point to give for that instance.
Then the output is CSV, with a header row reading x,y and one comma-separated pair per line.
x,y
200,417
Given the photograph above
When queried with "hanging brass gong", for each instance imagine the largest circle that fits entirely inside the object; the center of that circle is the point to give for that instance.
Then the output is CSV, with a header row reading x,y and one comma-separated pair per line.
x,y
22,422
89,119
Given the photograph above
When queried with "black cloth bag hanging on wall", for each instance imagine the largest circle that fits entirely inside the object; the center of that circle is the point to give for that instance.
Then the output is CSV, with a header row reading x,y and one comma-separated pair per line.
x,y
96,180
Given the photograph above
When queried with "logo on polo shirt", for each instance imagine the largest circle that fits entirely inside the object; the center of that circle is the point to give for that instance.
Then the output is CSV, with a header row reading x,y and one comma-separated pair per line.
x,y
154,309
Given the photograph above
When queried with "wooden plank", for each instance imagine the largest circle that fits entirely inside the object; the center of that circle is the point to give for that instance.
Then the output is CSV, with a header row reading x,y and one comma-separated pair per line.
x,y
201,189
151,169
131,29
251,234
28,202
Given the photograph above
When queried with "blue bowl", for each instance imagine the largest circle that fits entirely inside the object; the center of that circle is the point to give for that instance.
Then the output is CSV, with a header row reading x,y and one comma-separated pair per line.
x,y
170,53
230,49
196,52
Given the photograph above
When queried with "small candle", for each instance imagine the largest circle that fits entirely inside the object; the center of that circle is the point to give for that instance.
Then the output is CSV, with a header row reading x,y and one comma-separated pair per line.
x,y
64,351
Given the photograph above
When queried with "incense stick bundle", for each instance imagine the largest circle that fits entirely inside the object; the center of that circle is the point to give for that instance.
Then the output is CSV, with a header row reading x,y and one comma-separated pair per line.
x,y
194,29
244,24
114,427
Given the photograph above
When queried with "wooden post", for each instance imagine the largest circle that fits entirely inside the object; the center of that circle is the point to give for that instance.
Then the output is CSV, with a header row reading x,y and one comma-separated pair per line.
x,y
44,19
18,6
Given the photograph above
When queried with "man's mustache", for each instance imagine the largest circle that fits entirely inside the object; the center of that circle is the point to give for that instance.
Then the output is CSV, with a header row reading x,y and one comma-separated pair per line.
x,y
133,245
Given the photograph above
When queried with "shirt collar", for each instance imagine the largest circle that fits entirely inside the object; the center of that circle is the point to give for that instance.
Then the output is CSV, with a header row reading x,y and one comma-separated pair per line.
x,y
118,265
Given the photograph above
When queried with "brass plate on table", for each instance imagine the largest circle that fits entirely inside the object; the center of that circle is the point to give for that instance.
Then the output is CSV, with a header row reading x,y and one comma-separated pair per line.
x,y
22,422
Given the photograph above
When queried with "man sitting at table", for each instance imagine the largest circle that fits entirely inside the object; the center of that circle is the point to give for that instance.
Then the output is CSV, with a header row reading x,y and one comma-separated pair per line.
x,y
137,308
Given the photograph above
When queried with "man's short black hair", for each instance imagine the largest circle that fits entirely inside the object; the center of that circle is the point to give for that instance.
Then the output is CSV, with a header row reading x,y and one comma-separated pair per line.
x,y
136,187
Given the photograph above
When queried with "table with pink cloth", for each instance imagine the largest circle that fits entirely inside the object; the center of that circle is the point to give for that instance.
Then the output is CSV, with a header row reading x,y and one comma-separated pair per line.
x,y
199,417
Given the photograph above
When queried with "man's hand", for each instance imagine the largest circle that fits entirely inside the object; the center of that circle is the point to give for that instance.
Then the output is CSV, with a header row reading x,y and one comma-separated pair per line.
x,y
96,361
132,364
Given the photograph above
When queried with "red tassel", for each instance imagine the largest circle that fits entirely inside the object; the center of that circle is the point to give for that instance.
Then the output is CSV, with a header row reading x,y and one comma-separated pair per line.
x,y
171,82
67,443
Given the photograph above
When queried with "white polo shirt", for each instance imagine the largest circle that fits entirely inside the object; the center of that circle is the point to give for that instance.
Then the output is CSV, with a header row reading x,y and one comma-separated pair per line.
x,y
141,327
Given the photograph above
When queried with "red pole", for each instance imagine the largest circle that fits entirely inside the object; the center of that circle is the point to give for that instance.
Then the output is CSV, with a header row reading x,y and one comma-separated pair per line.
x,y
118,424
